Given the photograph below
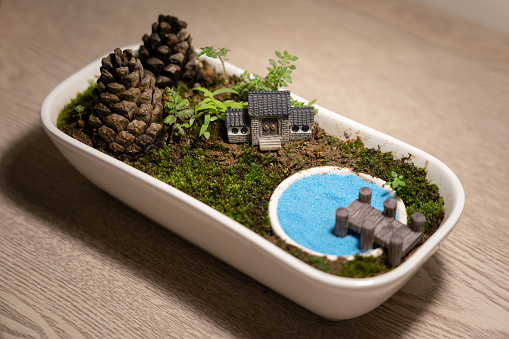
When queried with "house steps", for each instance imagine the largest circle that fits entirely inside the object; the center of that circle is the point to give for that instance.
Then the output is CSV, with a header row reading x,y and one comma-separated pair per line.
x,y
270,144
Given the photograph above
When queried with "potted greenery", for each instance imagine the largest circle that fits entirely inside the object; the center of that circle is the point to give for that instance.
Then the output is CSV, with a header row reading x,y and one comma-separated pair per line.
x,y
138,150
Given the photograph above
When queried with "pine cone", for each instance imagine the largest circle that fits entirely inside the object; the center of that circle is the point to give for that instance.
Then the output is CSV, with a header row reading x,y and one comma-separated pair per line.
x,y
127,116
169,54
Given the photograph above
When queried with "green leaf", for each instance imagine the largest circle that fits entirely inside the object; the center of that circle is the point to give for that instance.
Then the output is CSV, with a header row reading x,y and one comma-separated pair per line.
x,y
214,118
205,91
208,100
170,119
222,107
234,104
203,129
224,90
183,104
223,51
188,112
206,135
278,54
204,106
206,119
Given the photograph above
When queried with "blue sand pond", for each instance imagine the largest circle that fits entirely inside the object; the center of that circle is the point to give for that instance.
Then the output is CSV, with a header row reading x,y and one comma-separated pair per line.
x,y
307,209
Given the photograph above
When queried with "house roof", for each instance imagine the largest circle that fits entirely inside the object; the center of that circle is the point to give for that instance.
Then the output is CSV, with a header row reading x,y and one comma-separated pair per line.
x,y
237,118
302,116
263,103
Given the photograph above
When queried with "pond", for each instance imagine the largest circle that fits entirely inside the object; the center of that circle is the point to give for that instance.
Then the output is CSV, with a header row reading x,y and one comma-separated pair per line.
x,y
306,210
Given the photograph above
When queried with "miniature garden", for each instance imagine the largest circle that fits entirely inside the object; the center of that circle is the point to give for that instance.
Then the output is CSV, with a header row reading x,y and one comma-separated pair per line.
x,y
166,112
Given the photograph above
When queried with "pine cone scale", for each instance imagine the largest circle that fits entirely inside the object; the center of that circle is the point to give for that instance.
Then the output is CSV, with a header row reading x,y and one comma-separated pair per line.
x,y
115,88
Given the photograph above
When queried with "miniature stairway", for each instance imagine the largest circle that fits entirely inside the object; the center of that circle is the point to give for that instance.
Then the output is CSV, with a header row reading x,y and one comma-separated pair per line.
x,y
270,144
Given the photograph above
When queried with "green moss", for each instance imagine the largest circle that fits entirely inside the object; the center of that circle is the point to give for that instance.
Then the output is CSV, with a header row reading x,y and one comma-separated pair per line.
x,y
69,116
241,191
362,267
320,263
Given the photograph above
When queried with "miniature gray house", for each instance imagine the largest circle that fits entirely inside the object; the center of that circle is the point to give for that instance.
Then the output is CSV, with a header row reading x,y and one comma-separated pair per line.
x,y
269,121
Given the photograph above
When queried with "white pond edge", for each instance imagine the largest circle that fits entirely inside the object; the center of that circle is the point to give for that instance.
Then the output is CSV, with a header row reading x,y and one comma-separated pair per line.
x,y
274,200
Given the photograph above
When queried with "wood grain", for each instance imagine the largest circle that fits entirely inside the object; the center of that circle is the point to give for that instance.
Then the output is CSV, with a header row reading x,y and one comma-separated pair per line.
x,y
76,263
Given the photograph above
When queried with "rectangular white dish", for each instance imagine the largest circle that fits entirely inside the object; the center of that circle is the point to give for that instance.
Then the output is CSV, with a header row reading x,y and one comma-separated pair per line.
x,y
329,296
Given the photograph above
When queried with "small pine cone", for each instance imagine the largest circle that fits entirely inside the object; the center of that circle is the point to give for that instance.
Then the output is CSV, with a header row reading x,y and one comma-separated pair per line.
x,y
127,111
169,54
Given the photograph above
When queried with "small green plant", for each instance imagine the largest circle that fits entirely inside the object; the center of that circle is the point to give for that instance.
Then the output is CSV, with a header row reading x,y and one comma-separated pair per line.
x,y
219,53
211,109
180,114
281,71
250,82
279,76
296,103
69,113
397,182
79,111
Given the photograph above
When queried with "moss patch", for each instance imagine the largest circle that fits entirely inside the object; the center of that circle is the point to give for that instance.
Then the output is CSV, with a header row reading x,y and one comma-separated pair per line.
x,y
68,117
362,267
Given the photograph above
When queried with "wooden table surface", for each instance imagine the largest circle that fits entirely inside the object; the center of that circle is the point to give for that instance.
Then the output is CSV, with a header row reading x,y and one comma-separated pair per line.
x,y
75,262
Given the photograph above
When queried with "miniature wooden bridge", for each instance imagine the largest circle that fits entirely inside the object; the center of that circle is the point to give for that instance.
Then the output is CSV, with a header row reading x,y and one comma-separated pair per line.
x,y
378,227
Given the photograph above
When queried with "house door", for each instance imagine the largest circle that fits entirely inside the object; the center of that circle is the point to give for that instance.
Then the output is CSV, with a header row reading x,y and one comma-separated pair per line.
x,y
270,127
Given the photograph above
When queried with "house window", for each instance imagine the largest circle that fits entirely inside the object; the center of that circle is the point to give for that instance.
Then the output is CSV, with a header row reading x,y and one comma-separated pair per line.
x,y
235,130
296,129
244,130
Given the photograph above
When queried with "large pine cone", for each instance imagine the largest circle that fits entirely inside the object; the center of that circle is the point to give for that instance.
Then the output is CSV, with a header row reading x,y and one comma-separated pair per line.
x,y
127,116
169,54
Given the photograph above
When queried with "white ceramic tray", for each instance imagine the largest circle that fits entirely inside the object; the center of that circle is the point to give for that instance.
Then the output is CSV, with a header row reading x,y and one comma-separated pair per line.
x,y
329,296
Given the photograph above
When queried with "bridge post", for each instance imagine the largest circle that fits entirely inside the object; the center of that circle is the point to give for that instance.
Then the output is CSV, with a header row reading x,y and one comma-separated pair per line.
x,y
365,195
417,221
390,206
367,234
341,225
395,250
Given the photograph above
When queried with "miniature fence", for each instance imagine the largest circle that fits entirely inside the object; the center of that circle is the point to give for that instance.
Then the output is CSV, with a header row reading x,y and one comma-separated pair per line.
x,y
378,227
